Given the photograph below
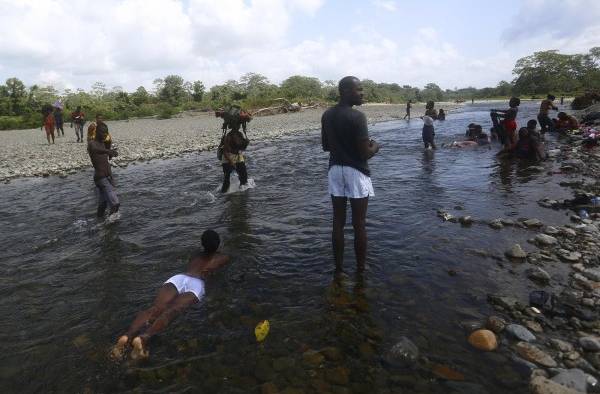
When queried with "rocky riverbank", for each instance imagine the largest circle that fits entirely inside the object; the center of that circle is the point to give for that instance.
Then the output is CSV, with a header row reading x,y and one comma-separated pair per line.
x,y
25,153
553,333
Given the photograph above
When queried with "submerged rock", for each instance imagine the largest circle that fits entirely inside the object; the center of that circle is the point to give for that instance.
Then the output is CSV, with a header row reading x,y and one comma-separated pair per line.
x,y
533,223
496,224
538,275
483,340
542,385
496,324
403,354
573,378
590,344
545,240
519,332
534,354
516,252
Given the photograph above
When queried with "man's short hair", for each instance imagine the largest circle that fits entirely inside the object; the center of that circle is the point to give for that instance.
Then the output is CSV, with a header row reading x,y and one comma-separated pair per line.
x,y
532,124
562,115
347,83
210,241
551,97
514,102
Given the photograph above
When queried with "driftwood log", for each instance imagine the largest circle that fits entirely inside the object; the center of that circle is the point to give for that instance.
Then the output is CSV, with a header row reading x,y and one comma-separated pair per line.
x,y
282,106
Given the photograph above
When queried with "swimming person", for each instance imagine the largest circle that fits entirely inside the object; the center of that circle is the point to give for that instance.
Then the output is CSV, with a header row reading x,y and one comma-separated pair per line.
x,y
345,136
428,132
100,155
545,107
175,295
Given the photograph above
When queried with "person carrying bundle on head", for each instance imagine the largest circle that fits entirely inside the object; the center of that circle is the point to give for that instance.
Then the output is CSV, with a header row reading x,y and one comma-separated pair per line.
x,y
233,143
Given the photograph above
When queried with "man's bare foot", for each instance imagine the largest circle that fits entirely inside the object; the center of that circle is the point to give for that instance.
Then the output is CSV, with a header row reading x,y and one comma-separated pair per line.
x,y
118,350
139,352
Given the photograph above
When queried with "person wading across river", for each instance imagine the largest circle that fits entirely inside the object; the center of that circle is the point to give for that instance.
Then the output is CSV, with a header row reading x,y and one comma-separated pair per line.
x,y
177,294
345,136
408,107
233,143
99,156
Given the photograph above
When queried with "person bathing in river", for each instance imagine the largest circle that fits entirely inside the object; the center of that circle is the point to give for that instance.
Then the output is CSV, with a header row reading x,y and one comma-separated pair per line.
x,y
508,125
566,123
430,110
545,107
100,156
441,115
529,147
176,295
344,134
428,132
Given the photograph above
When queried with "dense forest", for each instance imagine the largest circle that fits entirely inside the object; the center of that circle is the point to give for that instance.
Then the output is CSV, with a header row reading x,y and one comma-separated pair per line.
x,y
534,76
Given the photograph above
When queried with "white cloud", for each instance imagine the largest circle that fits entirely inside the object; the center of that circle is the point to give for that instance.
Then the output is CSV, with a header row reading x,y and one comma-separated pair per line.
x,y
386,5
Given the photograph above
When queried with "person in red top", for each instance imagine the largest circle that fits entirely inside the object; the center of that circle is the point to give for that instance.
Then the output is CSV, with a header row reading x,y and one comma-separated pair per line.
x,y
48,124
566,122
509,123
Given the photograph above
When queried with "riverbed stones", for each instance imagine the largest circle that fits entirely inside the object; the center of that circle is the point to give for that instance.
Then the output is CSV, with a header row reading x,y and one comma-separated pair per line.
x,y
312,358
505,302
332,353
590,344
571,257
338,375
496,224
465,220
573,378
545,240
592,274
516,252
519,332
561,345
483,340
403,354
496,324
537,274
535,355
542,385
533,223
534,326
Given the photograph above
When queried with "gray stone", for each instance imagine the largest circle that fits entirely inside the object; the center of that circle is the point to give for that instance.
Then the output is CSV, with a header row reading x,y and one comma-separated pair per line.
x,y
590,344
466,220
592,274
507,222
551,230
534,354
516,252
572,378
533,223
545,240
569,256
541,385
561,345
519,332
496,224
505,302
403,354
538,275
568,231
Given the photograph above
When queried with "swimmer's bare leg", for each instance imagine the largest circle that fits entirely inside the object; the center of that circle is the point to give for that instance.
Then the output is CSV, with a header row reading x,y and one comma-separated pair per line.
x,y
166,294
140,343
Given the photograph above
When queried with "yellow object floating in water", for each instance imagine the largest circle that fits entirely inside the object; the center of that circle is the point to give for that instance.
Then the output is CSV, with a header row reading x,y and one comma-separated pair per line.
x,y
261,331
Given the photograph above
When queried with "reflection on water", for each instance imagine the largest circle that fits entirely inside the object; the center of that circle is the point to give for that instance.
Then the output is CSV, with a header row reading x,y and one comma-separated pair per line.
x,y
70,284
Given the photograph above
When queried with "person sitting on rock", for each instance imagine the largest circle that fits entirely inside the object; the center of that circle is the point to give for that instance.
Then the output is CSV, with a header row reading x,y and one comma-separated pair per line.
x,y
566,123
176,295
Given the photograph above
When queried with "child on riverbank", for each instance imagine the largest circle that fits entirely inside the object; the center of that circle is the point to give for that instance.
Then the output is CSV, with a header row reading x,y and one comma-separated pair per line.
x,y
428,132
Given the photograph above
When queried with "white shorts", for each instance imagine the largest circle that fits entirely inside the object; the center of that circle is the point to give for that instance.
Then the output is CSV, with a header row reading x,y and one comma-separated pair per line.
x,y
346,181
187,284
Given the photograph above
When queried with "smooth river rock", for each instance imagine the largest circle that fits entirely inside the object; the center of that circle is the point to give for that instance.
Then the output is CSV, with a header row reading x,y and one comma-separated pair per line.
x,y
516,252
483,340
541,385
535,355
519,332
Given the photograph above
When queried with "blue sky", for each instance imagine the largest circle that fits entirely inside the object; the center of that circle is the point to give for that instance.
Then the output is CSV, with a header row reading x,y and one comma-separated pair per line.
x,y
129,43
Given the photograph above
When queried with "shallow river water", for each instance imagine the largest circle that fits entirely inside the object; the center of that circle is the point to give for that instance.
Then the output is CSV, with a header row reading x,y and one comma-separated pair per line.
x,y
71,284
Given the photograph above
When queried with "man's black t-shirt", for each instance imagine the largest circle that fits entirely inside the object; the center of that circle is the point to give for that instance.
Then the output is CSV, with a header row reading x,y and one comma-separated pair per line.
x,y
342,129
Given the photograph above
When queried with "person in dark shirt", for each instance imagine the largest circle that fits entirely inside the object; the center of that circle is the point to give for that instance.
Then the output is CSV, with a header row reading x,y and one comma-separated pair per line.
x,y
100,155
59,121
345,136
428,132
408,107
508,123
441,115
78,118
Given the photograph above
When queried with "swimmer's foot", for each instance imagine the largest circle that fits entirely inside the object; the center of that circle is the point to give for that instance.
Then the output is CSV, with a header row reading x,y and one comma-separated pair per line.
x,y
139,351
118,351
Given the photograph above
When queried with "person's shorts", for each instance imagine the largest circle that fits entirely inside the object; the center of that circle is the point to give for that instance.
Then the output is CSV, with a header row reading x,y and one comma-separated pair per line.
x,y
346,181
187,284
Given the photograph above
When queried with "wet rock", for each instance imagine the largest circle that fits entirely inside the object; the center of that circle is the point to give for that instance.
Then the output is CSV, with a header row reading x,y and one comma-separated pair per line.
x,y
403,354
505,302
537,274
496,224
332,353
496,324
445,216
571,356
445,372
519,332
592,274
269,388
568,231
542,385
483,340
561,345
313,358
533,326
551,230
534,354
516,252
571,257
573,378
532,223
466,220
283,363
507,222
524,367
590,344
339,375
545,240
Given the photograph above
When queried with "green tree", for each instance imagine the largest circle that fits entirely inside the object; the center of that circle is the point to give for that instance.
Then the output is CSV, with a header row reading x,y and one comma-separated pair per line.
x,y
298,86
172,90
198,91
16,93
140,96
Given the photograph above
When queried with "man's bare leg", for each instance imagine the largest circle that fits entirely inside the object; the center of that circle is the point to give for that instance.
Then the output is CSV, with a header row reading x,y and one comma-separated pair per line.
x,y
359,221
337,234
178,305
166,294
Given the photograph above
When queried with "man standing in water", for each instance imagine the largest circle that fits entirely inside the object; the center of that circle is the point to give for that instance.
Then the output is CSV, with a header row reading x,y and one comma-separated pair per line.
x,y
543,118
177,294
99,156
408,106
345,136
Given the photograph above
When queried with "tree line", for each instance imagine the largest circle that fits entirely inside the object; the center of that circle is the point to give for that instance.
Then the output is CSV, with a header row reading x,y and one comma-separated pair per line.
x,y
535,75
